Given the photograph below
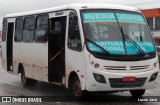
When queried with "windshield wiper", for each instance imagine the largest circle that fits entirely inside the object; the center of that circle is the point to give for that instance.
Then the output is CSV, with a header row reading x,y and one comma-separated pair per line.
x,y
107,52
133,42
129,39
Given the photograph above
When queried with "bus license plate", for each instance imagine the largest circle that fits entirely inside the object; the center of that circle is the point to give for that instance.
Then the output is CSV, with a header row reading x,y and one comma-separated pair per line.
x,y
129,79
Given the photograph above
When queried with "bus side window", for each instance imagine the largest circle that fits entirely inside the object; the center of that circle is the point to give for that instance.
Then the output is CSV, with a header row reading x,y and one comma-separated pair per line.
x,y
4,30
41,32
28,30
18,30
74,41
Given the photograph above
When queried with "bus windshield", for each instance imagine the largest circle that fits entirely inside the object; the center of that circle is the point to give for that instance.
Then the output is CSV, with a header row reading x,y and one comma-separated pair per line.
x,y
108,29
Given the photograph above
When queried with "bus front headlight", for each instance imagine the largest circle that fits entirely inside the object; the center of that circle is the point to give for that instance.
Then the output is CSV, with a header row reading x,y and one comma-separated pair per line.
x,y
155,65
96,66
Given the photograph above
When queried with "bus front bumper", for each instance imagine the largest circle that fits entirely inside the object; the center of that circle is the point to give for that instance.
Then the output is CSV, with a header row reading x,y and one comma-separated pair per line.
x,y
114,81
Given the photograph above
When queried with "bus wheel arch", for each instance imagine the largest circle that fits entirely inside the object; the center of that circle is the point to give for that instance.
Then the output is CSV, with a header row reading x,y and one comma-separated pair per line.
x,y
25,81
72,75
20,68
74,85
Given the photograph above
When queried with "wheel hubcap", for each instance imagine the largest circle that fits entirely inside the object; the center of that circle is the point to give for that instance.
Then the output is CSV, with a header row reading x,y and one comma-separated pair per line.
x,y
77,88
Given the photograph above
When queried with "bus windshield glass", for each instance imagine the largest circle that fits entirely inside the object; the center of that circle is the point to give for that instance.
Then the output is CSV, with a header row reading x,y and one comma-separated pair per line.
x,y
108,29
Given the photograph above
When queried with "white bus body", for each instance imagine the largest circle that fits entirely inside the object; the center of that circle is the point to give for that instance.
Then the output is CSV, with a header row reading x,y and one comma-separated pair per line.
x,y
72,62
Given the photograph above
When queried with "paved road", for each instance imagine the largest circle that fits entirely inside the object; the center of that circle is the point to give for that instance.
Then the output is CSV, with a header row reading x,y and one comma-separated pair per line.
x,y
10,85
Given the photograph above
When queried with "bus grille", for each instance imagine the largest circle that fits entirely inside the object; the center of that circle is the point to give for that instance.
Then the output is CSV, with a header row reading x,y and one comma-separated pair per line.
x,y
125,68
115,67
118,83
139,67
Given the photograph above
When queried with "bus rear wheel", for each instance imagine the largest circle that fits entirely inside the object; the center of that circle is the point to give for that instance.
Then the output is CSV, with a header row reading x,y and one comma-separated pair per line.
x,y
137,93
27,81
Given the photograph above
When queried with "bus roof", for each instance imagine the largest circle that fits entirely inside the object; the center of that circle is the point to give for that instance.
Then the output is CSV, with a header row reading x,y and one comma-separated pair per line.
x,y
75,7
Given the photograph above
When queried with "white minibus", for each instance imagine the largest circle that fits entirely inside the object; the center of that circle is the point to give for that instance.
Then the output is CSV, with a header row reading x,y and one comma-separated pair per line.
x,y
84,47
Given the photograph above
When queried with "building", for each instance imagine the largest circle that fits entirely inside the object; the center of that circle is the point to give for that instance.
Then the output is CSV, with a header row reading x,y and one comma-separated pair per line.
x,y
153,19
151,10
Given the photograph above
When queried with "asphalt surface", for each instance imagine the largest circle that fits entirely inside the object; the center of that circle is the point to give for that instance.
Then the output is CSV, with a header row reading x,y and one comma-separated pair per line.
x,y
10,85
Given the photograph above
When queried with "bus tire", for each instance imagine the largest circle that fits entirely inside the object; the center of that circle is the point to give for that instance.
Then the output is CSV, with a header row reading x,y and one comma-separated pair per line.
x,y
137,93
76,88
27,81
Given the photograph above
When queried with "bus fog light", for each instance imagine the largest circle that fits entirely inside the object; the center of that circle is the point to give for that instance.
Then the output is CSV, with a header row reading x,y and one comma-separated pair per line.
x,y
96,65
99,78
153,77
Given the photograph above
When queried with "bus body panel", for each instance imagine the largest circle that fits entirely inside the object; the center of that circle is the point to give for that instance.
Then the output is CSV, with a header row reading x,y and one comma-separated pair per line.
x,y
76,58
4,60
32,59
78,67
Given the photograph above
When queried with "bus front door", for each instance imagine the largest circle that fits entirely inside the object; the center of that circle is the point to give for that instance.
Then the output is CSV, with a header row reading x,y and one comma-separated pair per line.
x,y
56,49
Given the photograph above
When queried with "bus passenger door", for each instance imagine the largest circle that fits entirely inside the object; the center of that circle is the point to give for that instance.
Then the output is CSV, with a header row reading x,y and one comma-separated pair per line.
x,y
9,49
56,49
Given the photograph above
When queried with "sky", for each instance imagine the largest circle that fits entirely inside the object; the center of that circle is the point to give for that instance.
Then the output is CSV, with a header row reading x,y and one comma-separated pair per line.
x,y
14,6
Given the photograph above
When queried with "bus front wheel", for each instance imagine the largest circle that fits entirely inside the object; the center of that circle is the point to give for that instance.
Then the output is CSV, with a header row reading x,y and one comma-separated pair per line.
x,y
137,93
76,88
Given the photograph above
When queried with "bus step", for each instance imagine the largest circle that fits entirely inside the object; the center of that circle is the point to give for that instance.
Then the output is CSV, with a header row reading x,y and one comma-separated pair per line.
x,y
57,83
10,72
